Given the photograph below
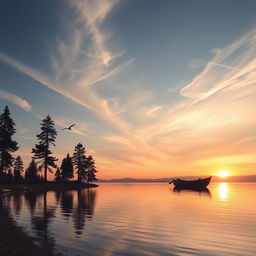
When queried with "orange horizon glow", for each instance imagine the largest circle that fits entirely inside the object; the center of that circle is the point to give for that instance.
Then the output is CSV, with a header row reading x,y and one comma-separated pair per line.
x,y
167,169
223,174
138,172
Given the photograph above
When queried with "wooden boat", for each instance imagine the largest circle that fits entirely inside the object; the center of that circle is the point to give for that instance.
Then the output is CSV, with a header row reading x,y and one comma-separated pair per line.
x,y
191,184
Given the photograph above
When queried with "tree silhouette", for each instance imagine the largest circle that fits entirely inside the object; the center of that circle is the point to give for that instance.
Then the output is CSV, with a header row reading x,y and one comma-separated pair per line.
x,y
7,145
57,176
79,161
67,171
9,176
31,172
18,169
91,169
42,150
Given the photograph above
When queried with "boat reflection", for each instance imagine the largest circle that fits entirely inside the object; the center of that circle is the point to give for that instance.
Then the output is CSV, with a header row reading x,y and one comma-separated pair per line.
x,y
199,191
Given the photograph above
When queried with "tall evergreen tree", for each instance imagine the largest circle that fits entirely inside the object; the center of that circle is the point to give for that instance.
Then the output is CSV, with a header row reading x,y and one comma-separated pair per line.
x,y
18,169
79,161
67,170
7,145
31,172
91,169
42,150
9,176
57,177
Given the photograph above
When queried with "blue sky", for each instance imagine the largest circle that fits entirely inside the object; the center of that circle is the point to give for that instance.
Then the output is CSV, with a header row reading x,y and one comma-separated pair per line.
x,y
154,87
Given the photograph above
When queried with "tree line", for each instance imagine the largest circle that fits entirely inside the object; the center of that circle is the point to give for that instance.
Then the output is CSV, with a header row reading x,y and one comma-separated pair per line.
x,y
12,169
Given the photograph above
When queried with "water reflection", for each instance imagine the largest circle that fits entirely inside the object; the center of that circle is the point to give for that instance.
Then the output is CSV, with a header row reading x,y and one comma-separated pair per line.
x,y
43,211
223,190
84,209
41,220
199,192
17,203
67,199
138,219
31,199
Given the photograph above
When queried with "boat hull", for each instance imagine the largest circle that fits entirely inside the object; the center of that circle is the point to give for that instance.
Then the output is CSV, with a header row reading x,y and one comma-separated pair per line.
x,y
192,184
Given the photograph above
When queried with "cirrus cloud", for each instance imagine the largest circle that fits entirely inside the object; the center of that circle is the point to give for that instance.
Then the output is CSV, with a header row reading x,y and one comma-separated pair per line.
x,y
15,100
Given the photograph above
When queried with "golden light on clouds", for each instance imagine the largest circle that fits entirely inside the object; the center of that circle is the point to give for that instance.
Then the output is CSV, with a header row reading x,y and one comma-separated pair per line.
x,y
135,124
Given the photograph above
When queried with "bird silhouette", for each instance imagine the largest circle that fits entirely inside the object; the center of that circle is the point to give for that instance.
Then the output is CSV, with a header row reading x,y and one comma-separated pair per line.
x,y
68,128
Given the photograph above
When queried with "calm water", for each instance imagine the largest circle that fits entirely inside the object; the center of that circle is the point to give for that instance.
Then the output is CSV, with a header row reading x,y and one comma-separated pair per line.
x,y
141,219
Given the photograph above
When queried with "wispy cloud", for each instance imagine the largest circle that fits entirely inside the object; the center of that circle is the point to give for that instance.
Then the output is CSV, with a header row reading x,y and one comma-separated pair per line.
x,y
153,110
176,88
231,66
196,63
15,99
92,13
216,111
75,76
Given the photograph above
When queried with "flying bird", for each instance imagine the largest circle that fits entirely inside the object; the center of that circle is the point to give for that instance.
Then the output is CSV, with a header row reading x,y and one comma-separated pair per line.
x,y
68,128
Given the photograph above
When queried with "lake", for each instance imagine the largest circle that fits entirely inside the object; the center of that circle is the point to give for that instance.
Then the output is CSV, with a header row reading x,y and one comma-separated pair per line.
x,y
140,219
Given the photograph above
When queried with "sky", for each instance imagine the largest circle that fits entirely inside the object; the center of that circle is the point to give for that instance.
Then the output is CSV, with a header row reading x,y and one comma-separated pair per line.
x,y
156,88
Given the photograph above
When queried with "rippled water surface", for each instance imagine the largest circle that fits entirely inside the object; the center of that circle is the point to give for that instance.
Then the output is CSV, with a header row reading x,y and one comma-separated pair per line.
x,y
141,219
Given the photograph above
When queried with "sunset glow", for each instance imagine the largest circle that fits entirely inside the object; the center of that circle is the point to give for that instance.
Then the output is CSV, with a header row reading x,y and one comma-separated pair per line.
x,y
223,174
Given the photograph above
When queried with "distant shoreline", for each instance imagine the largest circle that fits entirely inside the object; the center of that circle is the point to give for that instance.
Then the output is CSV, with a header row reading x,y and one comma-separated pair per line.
x,y
245,178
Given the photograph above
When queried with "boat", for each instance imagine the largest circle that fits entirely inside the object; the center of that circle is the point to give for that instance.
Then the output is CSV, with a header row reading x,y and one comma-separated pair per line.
x,y
191,184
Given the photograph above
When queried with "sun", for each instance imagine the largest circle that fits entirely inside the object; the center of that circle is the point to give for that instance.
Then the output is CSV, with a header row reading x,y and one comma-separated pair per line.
x,y
223,173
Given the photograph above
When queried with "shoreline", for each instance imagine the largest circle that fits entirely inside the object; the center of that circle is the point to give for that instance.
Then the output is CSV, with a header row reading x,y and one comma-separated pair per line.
x,y
52,186
15,242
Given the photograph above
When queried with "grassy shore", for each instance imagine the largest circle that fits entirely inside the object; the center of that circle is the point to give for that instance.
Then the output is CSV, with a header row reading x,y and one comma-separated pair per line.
x,y
46,186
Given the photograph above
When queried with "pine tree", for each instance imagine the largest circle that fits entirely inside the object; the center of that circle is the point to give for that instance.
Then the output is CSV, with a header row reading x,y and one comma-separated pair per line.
x,y
18,169
26,175
31,172
9,175
57,177
7,145
67,171
91,169
42,150
41,178
79,161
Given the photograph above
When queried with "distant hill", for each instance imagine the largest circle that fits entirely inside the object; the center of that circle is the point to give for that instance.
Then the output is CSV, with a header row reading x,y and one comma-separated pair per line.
x,y
242,178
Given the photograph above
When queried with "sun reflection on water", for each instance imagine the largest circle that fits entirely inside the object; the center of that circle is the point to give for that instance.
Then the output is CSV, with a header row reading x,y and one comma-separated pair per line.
x,y
223,191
